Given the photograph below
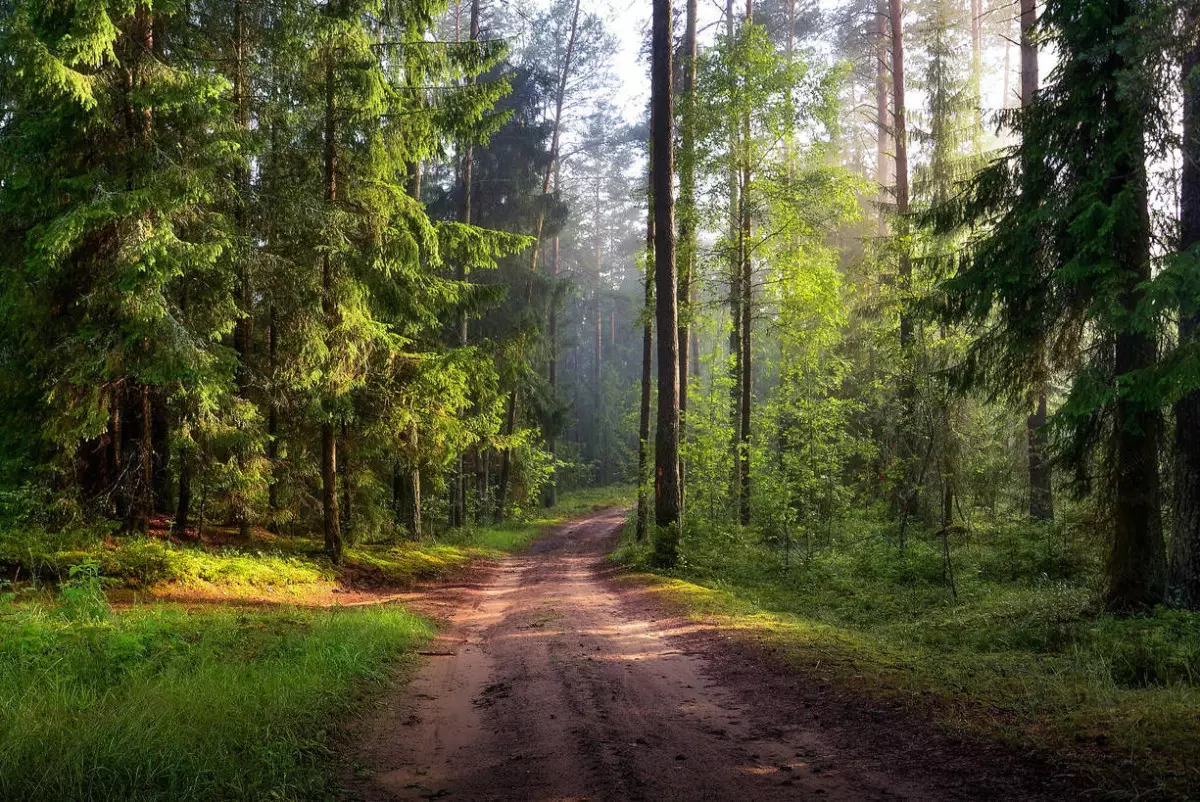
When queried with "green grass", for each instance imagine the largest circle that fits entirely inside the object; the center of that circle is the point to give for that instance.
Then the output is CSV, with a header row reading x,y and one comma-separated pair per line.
x,y
1023,654
270,567
162,703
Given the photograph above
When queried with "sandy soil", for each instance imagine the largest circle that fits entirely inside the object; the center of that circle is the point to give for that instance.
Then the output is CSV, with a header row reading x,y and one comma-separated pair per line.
x,y
551,682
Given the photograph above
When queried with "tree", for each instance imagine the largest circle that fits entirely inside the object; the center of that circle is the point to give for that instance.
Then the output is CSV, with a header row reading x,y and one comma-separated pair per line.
x,y
667,489
1063,248
1041,491
1185,551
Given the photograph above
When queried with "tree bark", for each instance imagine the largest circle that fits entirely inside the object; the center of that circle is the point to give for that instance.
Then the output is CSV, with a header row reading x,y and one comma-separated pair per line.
x,y
332,525
735,280
643,501
745,305
666,453
907,492
687,219
881,112
1137,565
1185,551
458,487
1041,490
243,328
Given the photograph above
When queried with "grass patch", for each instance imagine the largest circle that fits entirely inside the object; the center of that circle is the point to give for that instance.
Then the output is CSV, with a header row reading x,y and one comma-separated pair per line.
x,y
162,703
1023,654
272,567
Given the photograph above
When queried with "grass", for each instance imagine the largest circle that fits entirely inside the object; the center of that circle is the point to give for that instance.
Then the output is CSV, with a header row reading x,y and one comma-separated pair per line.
x,y
275,568
163,703
1023,653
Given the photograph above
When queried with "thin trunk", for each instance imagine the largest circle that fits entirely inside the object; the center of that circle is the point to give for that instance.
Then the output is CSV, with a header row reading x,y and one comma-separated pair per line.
x,y
746,307
666,452
1185,553
272,416
183,507
243,328
881,112
735,266
687,221
643,508
458,487
551,498
907,492
332,525
1041,491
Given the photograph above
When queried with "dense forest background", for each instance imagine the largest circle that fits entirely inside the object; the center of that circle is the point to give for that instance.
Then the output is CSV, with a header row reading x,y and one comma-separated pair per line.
x,y
887,308
373,268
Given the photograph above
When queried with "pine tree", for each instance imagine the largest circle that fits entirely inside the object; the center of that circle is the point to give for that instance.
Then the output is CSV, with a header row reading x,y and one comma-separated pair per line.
x,y
1064,249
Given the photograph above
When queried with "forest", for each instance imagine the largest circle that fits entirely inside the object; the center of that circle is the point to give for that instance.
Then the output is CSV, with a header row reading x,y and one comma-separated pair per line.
x,y
864,333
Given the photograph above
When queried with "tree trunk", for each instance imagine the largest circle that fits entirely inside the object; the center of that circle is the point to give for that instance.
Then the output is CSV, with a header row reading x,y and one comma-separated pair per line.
x,y
551,496
666,452
1137,566
1041,490
643,508
1185,552
907,492
272,418
458,486
746,308
183,507
242,331
735,280
332,525
881,111
687,220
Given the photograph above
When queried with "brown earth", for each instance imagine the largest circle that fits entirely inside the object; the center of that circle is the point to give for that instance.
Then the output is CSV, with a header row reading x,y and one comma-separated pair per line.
x,y
552,682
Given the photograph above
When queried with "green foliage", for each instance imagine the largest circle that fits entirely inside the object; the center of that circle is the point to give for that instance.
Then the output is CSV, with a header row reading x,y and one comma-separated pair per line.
x,y
1023,653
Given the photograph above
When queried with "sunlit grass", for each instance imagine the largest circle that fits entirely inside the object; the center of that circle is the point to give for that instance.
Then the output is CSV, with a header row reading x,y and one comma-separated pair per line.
x,y
270,566
1023,653
160,703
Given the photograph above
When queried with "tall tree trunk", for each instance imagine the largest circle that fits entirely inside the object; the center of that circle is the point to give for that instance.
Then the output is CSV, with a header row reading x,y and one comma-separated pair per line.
x,y
1137,565
907,492
183,507
1041,490
666,452
643,508
1185,552
881,112
746,307
272,417
506,457
687,222
458,487
735,282
243,328
551,496
332,525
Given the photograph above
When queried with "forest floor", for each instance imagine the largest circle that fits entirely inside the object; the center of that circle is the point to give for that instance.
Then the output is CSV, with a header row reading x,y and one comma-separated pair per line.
x,y
554,679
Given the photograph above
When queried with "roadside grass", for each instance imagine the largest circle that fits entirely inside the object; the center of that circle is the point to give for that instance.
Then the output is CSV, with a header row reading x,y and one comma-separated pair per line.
x,y
1024,653
160,702
166,701
269,567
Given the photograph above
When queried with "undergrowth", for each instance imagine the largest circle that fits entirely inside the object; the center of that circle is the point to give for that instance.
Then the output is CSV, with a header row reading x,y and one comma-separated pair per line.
x,y
267,565
162,703
1016,646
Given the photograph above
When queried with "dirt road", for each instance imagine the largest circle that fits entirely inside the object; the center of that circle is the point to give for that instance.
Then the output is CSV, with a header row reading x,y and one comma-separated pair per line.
x,y
551,682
